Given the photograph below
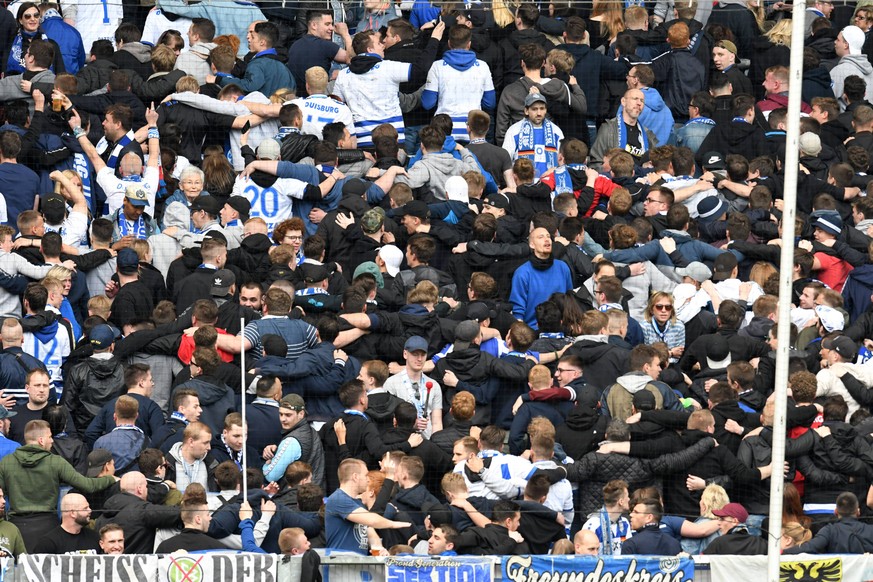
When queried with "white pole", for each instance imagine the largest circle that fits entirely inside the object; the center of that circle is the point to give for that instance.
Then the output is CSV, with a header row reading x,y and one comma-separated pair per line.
x,y
786,268
244,391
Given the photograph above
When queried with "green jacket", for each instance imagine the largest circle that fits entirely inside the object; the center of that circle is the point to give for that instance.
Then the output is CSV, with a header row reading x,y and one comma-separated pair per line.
x,y
31,478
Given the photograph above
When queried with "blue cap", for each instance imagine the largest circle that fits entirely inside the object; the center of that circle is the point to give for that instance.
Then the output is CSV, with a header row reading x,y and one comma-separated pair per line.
x,y
127,261
102,336
415,344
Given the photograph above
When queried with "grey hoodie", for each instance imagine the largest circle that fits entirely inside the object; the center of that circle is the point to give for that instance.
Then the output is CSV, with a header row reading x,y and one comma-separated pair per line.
x,y
142,52
852,65
193,62
432,171
633,382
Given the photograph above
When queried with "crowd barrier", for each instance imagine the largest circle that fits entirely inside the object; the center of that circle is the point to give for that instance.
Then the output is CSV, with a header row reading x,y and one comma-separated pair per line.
x,y
233,567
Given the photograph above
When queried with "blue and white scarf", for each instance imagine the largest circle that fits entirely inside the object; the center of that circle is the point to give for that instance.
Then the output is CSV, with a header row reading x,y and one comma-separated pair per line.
x,y
15,63
284,132
112,162
563,180
703,120
138,230
622,138
540,147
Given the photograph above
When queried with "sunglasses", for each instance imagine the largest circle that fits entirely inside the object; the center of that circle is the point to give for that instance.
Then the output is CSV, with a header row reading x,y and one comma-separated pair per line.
x,y
663,307
31,16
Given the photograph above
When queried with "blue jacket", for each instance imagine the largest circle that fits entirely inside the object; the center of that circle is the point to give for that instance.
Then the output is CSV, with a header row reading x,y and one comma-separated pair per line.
x,y
556,412
423,12
692,249
314,376
150,419
531,287
125,446
264,73
264,427
69,40
7,446
857,290
313,175
656,116
216,399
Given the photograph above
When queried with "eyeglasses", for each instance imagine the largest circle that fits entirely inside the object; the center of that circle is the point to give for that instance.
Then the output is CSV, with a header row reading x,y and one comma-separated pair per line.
x,y
652,200
565,370
31,16
293,237
663,307
193,363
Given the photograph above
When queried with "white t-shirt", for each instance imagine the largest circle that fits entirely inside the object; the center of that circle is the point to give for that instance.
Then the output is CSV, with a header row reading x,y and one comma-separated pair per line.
x,y
98,21
274,203
459,92
402,387
115,188
319,110
372,97
157,23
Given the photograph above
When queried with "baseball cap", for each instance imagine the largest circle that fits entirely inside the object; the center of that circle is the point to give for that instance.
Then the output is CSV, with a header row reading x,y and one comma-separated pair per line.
x,y
96,459
221,282
723,266
416,344
53,207
810,144
497,200
269,150
843,345
734,510
718,353
127,261
136,195
696,270
208,203
711,209
355,187
313,273
828,220
727,45
416,208
465,333
644,400
373,269
392,256
102,336
533,98
713,161
293,402
372,220
457,189
241,204
439,513
830,318
480,311
6,413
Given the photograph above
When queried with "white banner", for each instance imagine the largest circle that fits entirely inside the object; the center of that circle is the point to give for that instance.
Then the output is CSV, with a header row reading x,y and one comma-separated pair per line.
x,y
799,568
218,567
94,568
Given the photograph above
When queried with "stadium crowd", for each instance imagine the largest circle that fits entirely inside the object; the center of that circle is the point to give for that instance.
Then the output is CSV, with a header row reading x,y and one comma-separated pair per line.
x,y
490,278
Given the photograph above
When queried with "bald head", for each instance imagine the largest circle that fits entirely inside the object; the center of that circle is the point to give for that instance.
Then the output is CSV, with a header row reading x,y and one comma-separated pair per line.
x,y
72,501
586,543
134,483
11,333
131,165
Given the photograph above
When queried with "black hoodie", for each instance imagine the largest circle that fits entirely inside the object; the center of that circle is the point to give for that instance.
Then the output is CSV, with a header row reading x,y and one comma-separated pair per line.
x,y
735,137
584,427
509,68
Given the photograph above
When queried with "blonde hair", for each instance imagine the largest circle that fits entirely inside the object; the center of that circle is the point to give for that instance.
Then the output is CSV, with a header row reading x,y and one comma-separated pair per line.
x,y
713,497
780,33
100,305
612,17
796,532
424,292
761,271
60,273
316,79
539,376
280,96
561,60
187,83
657,296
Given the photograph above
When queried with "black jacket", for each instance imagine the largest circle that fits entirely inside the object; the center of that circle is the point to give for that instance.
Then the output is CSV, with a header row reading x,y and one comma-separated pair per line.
x,y
138,519
735,137
94,75
602,362
509,70
847,536
651,540
295,146
738,542
584,427
765,55
90,385
189,540
493,539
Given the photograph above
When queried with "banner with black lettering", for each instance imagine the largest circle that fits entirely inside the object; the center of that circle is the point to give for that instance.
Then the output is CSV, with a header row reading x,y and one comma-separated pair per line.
x,y
213,567
442,569
799,568
93,568
596,569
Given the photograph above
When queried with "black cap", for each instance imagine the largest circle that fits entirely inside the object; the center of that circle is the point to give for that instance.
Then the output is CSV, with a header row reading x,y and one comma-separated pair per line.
x,y
724,265
416,208
644,400
497,200
480,311
355,187
208,203
221,282
96,460
313,273
241,205
127,261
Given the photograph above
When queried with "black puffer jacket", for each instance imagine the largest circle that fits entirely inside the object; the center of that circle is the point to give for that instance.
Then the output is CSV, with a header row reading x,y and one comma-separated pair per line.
x,y
584,426
595,470
844,453
89,386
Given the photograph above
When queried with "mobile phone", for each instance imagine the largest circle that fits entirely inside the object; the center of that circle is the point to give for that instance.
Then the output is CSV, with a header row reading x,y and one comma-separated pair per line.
x,y
247,127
